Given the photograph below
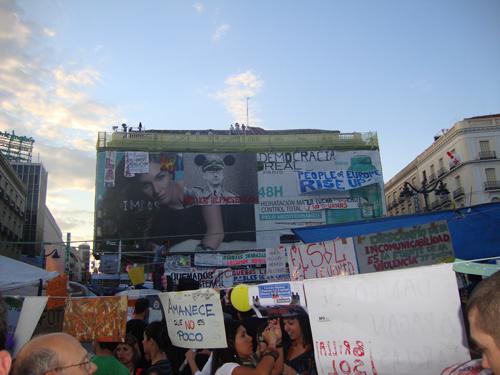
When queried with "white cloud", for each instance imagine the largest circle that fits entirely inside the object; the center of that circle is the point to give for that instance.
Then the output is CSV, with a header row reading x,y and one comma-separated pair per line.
x,y
220,31
52,105
238,88
49,32
199,7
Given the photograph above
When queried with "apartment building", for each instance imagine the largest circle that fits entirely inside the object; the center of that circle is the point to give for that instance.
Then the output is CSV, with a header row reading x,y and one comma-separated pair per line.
x,y
464,158
12,209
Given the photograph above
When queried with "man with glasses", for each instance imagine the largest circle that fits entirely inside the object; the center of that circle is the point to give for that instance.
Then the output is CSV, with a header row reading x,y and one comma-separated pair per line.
x,y
55,353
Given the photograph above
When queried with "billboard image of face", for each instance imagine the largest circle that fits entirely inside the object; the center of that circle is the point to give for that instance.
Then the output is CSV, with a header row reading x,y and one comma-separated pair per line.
x,y
144,196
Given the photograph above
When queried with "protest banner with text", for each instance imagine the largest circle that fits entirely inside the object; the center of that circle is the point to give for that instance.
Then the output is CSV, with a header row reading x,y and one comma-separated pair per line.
x,y
400,322
405,247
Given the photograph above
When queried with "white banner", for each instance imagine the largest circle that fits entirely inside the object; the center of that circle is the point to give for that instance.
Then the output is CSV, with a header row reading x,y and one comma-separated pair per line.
x,y
194,319
400,322
30,315
322,259
208,278
136,162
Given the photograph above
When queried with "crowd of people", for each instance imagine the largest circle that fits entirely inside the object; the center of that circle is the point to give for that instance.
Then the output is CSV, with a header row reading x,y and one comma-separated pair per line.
x,y
278,345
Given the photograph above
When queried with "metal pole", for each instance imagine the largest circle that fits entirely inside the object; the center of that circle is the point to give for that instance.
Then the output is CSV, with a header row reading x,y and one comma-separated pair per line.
x,y
66,253
248,124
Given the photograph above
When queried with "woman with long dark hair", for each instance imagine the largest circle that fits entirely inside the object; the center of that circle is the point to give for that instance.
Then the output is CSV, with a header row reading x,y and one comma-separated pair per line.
x,y
299,354
156,343
128,353
239,357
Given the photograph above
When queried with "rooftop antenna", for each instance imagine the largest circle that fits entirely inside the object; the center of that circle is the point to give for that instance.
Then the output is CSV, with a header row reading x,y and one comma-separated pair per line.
x,y
248,123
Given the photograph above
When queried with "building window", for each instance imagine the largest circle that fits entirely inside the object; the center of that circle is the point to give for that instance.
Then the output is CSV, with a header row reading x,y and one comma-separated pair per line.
x,y
490,174
484,145
491,182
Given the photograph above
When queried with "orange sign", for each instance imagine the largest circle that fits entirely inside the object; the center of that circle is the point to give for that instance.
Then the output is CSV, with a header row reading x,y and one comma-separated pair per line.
x,y
96,318
58,288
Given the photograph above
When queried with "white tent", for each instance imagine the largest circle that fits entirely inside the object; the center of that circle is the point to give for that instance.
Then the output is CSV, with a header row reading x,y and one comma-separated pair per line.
x,y
15,274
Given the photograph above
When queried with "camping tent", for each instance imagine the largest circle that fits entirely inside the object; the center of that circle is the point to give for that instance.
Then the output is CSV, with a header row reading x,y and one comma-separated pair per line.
x,y
15,274
474,230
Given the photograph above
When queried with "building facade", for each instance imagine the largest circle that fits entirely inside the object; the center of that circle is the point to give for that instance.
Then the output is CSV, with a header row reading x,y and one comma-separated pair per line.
x,y
34,177
13,195
216,191
464,158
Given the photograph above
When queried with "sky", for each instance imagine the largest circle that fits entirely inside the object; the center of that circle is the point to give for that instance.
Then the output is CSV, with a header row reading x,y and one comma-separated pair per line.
x,y
405,69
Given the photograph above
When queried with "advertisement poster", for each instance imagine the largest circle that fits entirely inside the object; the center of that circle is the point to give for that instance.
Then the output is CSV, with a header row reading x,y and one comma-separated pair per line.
x,y
315,188
194,319
247,258
405,247
362,323
322,259
102,318
161,197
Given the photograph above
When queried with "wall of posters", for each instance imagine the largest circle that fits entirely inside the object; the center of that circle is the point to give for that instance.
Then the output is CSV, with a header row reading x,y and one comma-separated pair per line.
x,y
405,247
362,323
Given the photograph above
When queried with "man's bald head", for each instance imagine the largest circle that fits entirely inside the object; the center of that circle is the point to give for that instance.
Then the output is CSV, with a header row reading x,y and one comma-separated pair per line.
x,y
45,353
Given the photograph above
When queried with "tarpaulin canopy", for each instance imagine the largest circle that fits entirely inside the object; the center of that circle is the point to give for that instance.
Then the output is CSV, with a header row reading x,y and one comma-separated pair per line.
x,y
475,231
15,274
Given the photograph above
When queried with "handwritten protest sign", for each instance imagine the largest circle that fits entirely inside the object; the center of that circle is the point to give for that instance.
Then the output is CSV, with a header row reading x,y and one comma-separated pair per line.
x,y
136,162
102,318
276,264
322,259
194,319
405,247
400,322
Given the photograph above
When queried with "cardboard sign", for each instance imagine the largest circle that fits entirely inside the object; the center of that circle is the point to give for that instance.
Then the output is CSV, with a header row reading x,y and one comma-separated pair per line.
x,y
102,318
322,259
276,268
393,323
405,247
194,319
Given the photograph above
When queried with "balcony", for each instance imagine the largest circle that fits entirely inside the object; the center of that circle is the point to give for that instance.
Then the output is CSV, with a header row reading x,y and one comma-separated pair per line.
x,y
491,185
441,171
486,155
458,192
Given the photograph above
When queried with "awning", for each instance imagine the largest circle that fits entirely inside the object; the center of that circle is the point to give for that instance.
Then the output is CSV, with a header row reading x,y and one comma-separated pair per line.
x,y
475,231
15,274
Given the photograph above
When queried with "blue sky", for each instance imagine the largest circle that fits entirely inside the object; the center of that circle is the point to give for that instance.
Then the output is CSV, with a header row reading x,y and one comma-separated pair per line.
x,y
405,69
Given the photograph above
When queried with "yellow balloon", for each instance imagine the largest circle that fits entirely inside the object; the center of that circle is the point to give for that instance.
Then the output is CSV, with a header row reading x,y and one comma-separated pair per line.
x,y
239,298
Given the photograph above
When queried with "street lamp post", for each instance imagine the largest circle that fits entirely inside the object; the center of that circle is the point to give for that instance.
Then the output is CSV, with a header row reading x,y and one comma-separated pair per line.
x,y
439,187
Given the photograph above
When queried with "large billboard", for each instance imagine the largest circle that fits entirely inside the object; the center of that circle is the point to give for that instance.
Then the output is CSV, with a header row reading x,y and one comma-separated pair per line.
x,y
314,188
231,201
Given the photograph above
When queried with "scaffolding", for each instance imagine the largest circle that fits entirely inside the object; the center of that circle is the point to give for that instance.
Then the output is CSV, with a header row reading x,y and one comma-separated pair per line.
x,y
16,148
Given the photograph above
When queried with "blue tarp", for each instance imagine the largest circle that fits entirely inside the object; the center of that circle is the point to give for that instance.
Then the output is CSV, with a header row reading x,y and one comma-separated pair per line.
x,y
475,231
